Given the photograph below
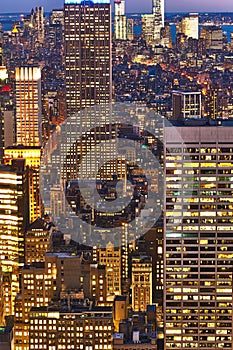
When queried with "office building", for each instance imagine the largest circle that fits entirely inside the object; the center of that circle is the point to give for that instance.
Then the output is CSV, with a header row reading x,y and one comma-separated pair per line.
x,y
120,22
198,247
111,258
14,216
39,23
37,241
32,156
57,17
153,23
213,37
141,282
186,105
28,106
158,12
60,276
166,36
130,29
87,53
148,22
71,327
189,26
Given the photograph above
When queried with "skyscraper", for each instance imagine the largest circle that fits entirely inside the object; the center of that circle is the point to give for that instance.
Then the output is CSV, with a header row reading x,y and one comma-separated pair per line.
x,y
13,221
189,26
88,35
130,29
120,22
141,282
158,12
28,106
40,24
31,155
198,237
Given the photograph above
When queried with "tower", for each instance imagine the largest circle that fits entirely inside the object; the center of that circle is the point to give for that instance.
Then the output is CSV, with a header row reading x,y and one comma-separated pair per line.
x,y
88,34
158,12
14,215
190,26
120,23
28,106
198,237
40,24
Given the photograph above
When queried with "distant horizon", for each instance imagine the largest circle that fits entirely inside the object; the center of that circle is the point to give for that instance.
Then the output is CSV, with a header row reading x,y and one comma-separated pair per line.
x,y
146,12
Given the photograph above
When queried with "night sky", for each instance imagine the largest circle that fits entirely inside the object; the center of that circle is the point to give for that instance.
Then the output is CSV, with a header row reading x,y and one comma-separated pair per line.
x,y
132,5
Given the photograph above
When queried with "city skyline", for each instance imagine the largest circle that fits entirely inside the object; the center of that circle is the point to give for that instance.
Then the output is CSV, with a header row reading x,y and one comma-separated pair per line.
x,y
131,6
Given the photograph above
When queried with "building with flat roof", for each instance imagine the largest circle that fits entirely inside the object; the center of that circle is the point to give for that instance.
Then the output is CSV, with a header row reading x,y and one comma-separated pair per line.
x,y
71,326
186,105
198,244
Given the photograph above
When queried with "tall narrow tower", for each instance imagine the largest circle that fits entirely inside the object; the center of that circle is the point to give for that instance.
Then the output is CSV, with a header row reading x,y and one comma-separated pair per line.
x,y
158,12
28,106
88,34
120,23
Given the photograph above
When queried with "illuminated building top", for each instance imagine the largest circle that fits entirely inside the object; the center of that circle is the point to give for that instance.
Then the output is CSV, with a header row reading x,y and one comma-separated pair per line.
x,y
86,2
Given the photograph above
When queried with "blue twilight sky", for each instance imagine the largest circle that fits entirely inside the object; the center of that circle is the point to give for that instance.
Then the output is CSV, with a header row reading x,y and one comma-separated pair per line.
x,y
132,5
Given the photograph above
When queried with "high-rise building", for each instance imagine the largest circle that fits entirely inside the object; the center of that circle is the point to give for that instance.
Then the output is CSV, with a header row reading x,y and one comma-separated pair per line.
x,y
158,12
189,26
186,105
37,241
141,282
198,237
166,36
148,22
57,17
31,155
111,258
213,37
14,216
153,23
87,53
28,106
40,24
120,22
130,29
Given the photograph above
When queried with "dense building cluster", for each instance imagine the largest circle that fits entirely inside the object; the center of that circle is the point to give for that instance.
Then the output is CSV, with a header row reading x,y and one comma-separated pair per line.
x,y
170,288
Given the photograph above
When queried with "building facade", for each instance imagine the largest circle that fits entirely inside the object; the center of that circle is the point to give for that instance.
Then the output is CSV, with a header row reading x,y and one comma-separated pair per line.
x,y
186,105
88,35
141,282
32,156
14,216
28,106
198,246
120,21
59,329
